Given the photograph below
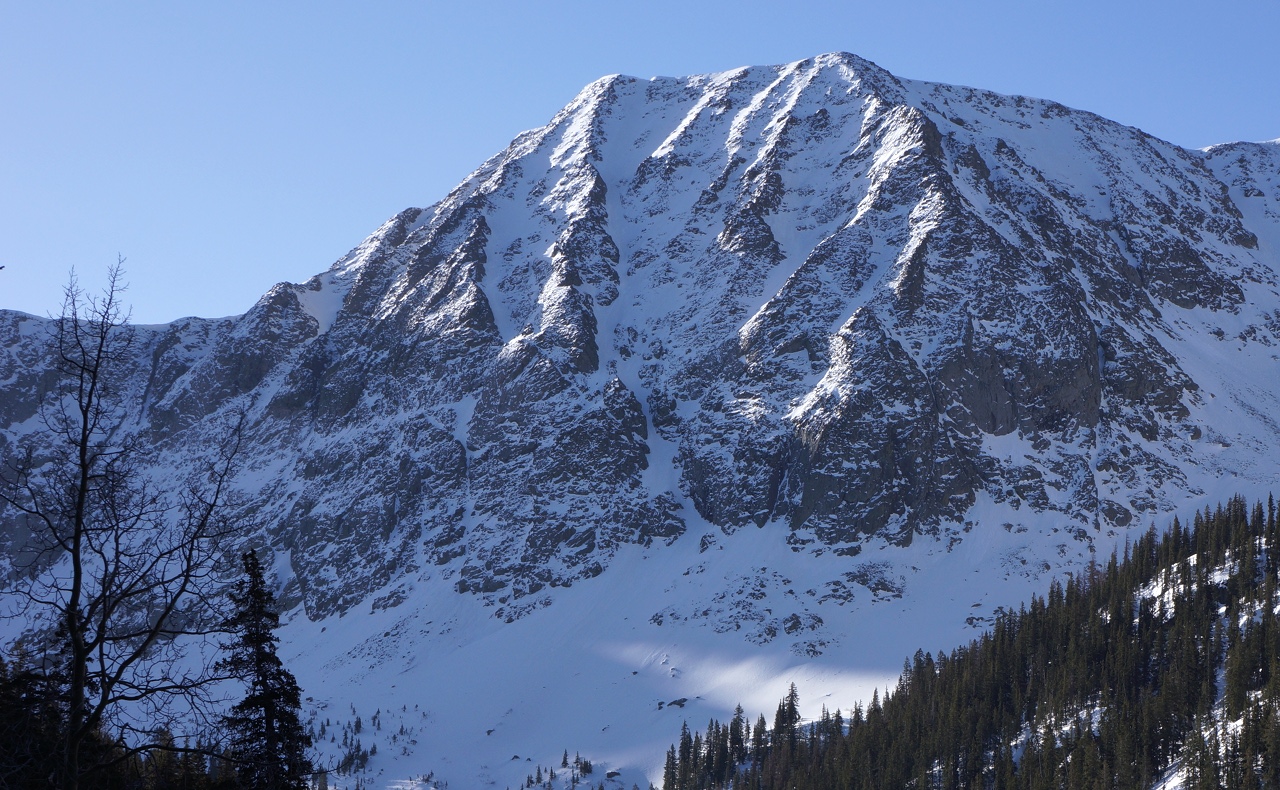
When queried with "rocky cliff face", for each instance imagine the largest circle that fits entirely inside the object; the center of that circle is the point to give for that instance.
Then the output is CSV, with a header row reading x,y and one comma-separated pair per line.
x,y
813,298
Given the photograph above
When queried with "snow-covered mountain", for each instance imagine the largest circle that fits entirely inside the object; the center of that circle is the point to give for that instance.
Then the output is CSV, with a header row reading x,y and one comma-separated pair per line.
x,y
718,382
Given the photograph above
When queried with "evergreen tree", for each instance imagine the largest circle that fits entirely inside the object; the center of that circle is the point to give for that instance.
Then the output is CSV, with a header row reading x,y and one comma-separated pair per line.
x,y
268,741
30,726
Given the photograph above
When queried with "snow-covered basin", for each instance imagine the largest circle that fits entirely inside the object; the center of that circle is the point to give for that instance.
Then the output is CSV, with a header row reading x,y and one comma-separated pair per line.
x,y
481,703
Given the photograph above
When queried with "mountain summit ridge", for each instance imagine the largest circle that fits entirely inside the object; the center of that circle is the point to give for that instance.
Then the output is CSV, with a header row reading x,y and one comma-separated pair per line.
x,y
885,323
856,244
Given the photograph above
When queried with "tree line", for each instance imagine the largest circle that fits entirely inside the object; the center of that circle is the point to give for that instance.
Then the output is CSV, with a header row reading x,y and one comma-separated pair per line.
x,y
1165,657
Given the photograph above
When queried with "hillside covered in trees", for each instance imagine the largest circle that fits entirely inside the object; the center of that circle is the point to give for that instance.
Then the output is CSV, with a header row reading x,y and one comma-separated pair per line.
x,y
1163,664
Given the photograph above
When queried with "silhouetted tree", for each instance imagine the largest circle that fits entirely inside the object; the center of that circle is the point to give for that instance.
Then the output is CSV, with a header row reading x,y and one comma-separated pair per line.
x,y
268,742
114,571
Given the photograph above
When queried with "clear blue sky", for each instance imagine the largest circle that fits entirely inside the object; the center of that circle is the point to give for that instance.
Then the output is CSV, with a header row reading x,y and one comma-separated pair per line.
x,y
222,147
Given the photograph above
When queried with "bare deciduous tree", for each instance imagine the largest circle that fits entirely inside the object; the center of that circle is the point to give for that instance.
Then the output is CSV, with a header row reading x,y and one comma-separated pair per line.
x,y
119,571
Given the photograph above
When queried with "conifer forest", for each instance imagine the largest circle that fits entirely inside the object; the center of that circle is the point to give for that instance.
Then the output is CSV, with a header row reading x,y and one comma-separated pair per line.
x,y
1161,663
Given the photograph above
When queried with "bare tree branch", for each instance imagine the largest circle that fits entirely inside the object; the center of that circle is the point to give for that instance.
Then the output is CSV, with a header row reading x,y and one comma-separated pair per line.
x,y
116,571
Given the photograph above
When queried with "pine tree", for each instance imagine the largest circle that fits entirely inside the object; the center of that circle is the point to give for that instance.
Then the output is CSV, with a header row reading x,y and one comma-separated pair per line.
x,y
268,741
